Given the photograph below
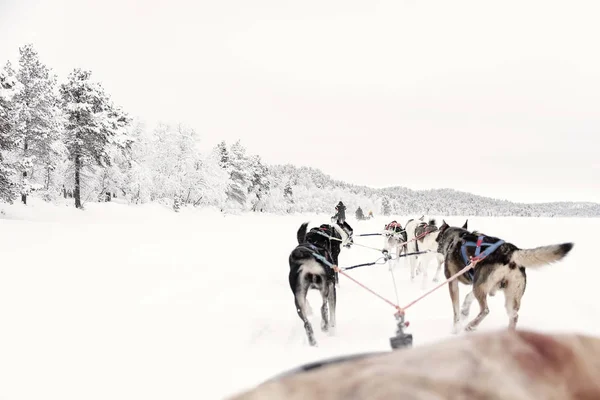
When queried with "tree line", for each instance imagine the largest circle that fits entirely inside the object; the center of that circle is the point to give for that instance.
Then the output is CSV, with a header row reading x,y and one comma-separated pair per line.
x,y
69,140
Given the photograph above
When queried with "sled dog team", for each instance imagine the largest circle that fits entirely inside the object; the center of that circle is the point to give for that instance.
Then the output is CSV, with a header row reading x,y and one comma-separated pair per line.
x,y
502,265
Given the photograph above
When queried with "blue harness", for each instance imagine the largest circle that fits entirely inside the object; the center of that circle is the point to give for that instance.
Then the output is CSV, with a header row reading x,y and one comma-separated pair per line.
x,y
491,247
315,253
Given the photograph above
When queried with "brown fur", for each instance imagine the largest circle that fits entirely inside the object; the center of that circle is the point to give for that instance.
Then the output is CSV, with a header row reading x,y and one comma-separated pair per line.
x,y
503,365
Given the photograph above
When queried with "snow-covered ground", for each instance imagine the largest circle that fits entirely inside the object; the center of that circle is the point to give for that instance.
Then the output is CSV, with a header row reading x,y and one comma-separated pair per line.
x,y
138,302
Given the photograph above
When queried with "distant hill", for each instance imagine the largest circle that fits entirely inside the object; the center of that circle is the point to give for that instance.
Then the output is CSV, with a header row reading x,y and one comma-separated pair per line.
x,y
312,190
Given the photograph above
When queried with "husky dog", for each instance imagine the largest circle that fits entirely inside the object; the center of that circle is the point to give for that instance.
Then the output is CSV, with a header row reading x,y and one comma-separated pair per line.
x,y
338,237
309,271
344,229
394,238
422,236
503,267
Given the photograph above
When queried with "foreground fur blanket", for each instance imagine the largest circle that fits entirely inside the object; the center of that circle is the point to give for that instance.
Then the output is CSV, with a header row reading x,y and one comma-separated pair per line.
x,y
502,365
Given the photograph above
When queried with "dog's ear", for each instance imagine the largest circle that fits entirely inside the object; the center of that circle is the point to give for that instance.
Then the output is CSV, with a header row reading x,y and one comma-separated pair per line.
x,y
444,226
465,225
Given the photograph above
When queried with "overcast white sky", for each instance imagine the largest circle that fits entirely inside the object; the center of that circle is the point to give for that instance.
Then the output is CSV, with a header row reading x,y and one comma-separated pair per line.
x,y
496,98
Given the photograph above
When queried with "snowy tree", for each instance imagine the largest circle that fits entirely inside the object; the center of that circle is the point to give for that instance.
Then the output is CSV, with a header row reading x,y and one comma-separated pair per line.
x,y
386,206
288,193
259,182
8,87
215,181
223,154
138,185
93,125
240,175
38,123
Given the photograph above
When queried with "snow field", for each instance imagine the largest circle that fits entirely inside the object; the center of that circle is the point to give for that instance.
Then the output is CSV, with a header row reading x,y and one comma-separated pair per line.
x,y
138,302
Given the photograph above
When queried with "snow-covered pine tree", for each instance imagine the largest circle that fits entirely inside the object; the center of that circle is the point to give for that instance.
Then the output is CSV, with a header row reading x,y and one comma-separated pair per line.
x,y
215,180
386,206
93,125
240,175
223,153
288,194
37,129
8,87
138,185
260,183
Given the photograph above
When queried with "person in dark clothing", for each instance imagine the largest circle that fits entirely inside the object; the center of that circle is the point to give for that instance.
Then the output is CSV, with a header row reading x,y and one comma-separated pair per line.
x,y
340,218
341,212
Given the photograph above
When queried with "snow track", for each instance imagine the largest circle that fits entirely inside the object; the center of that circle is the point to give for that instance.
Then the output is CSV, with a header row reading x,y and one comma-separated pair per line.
x,y
141,303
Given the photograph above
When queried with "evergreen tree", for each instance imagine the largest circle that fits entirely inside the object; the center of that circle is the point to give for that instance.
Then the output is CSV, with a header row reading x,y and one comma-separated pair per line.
x,y
138,184
8,87
260,183
223,153
93,125
387,208
240,174
37,130
288,193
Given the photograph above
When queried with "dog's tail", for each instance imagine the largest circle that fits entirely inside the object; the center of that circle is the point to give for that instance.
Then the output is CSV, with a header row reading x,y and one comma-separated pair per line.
x,y
301,235
540,256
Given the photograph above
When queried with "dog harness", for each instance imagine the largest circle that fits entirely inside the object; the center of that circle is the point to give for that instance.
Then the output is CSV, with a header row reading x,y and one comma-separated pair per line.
x,y
325,260
427,232
491,247
393,226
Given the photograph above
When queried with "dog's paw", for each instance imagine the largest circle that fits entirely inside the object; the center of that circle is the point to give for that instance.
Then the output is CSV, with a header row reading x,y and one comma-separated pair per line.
x,y
455,329
470,328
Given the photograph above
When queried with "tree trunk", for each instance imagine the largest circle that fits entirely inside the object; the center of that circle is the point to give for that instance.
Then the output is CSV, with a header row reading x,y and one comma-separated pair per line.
x,y
78,181
48,178
24,195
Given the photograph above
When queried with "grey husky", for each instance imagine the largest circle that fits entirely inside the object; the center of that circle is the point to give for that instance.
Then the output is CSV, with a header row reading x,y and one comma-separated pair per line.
x,y
503,267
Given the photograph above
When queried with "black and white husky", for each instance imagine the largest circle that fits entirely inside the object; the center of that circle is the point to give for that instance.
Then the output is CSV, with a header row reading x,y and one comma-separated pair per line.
x,y
394,239
310,268
421,238
503,267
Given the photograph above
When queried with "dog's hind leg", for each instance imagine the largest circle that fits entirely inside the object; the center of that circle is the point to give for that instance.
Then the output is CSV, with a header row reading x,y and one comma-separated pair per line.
x,y
466,307
481,297
300,300
454,293
413,267
324,309
512,303
332,303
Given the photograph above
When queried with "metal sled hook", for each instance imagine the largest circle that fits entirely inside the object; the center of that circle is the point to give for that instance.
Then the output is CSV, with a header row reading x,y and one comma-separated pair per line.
x,y
402,339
